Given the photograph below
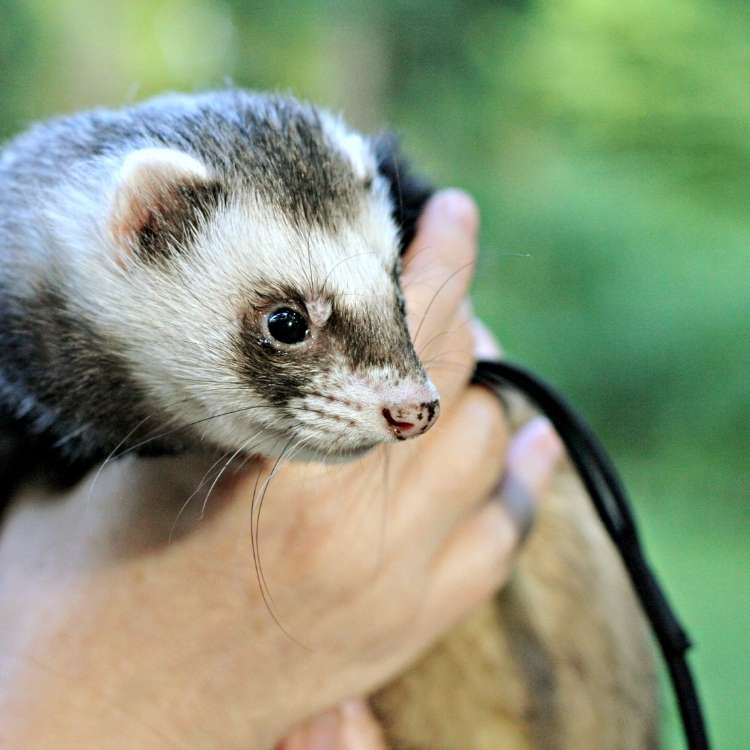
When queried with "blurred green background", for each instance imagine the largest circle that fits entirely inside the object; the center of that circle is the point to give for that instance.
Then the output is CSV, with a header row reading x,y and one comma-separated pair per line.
x,y
608,145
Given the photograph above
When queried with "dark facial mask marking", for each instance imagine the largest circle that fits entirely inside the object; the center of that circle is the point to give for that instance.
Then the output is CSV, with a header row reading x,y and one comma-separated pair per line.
x,y
171,227
370,340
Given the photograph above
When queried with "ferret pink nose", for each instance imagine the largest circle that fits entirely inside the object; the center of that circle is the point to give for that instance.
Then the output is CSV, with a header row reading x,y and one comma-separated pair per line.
x,y
409,420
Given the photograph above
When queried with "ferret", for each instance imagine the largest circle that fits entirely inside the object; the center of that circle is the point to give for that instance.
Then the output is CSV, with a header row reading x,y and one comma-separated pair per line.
x,y
220,272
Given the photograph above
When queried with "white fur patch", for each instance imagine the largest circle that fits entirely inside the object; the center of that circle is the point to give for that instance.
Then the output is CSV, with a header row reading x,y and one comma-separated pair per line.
x,y
178,326
159,164
352,146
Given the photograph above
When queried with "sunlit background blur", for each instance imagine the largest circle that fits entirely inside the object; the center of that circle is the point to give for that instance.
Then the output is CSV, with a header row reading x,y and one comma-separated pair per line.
x,y
608,145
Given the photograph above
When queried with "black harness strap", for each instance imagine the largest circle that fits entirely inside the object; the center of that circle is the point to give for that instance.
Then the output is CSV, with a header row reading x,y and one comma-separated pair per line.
x,y
608,495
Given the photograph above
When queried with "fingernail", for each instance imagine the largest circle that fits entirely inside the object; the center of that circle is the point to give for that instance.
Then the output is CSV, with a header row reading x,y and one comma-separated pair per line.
x,y
543,444
535,450
456,207
533,456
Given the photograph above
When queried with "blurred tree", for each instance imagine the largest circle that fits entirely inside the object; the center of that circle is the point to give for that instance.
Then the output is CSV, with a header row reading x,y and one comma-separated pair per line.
x,y
608,145
17,55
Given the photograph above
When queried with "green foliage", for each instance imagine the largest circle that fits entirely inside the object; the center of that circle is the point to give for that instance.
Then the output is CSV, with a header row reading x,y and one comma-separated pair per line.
x,y
608,146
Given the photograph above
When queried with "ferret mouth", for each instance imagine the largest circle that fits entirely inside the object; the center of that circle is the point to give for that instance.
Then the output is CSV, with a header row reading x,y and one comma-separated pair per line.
x,y
334,455
299,446
357,451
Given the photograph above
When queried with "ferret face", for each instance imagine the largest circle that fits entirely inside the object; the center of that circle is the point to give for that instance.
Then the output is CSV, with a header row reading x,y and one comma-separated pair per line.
x,y
317,341
264,292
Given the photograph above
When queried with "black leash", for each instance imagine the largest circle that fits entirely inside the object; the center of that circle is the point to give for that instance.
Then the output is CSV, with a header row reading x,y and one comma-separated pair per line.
x,y
606,490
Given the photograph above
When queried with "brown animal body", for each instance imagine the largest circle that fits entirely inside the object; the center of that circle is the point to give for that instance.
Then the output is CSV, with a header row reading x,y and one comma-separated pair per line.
x,y
560,660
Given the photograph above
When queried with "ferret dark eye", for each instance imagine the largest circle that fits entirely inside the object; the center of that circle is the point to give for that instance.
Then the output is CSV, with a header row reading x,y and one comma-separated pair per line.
x,y
288,326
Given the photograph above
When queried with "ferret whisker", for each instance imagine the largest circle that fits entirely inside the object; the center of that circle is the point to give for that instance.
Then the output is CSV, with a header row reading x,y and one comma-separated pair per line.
x,y
184,506
205,476
111,455
202,420
341,262
255,526
248,457
437,292
220,474
255,537
412,255
437,336
256,542
450,366
114,452
506,254
417,284
436,357
253,549
204,479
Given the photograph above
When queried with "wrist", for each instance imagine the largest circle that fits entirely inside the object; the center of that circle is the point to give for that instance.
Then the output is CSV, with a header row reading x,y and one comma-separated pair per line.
x,y
45,709
88,661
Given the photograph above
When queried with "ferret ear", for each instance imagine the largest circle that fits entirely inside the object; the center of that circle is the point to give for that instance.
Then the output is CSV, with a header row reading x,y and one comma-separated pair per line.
x,y
409,192
162,195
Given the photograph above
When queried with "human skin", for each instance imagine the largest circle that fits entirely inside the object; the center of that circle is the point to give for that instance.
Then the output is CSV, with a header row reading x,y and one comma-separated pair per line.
x,y
131,619
532,456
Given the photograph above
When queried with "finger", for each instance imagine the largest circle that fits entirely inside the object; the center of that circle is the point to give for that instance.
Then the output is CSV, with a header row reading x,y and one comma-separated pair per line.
x,y
319,733
360,729
449,356
532,458
460,464
438,266
478,557
351,726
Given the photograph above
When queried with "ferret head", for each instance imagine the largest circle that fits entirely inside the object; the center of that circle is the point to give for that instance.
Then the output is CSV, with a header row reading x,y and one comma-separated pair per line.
x,y
255,260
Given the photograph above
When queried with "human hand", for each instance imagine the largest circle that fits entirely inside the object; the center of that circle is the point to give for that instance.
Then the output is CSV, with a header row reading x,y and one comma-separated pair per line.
x,y
532,456
120,632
